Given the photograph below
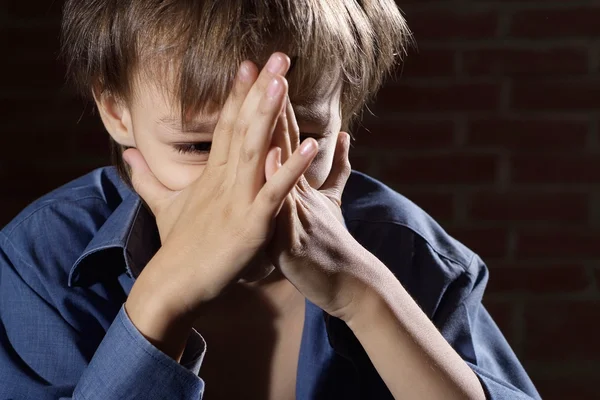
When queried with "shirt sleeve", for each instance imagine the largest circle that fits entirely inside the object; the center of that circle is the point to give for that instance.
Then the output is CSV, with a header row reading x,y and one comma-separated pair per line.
x,y
127,366
468,327
43,356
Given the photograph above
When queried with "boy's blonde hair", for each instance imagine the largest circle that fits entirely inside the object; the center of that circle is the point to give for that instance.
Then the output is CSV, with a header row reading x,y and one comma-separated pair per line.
x,y
109,44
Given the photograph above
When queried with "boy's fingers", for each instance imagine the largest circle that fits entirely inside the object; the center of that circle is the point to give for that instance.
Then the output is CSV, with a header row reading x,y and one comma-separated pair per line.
x,y
340,171
257,117
143,180
280,138
293,138
281,135
243,82
275,191
272,162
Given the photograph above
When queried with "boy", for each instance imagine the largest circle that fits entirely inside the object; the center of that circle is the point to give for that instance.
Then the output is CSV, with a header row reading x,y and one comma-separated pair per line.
x,y
268,270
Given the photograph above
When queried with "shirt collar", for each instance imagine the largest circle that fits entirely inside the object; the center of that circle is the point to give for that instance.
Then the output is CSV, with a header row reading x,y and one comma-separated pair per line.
x,y
129,238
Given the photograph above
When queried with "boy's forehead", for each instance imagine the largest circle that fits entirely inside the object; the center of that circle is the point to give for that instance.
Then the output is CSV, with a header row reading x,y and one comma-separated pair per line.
x,y
314,111
316,115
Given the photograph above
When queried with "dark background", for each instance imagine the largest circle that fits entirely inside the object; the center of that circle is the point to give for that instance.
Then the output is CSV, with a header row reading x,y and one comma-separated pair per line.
x,y
492,127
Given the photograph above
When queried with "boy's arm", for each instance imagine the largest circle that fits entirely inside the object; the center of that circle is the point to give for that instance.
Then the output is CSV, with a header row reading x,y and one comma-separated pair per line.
x,y
127,366
402,343
467,325
44,356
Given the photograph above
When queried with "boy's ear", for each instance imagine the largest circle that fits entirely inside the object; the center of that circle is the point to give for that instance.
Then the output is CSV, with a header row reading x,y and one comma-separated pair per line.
x,y
116,118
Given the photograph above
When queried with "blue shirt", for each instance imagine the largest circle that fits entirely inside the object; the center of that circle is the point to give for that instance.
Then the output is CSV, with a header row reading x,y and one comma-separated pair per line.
x,y
69,260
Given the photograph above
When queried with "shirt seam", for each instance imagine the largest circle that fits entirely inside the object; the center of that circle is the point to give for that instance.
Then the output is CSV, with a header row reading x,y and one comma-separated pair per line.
x,y
126,252
149,353
463,266
45,205
7,241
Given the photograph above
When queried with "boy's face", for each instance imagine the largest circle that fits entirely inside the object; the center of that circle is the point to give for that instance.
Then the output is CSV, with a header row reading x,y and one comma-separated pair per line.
x,y
151,123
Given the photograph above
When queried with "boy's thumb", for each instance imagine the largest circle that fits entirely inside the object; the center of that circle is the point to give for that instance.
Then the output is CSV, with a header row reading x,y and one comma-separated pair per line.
x,y
335,183
143,180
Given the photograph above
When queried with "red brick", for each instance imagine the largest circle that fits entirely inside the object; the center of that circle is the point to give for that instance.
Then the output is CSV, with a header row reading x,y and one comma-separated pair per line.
x,y
442,169
556,169
487,242
503,314
406,135
438,97
530,135
525,278
439,205
568,385
444,25
556,23
554,244
562,331
427,63
523,206
560,95
525,62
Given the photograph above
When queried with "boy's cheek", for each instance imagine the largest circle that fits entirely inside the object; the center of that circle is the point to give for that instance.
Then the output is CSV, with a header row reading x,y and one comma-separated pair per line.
x,y
177,176
320,168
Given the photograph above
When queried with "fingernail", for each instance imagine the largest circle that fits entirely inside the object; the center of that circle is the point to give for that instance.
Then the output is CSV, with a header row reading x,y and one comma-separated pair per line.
x,y
274,88
308,147
278,157
275,64
244,73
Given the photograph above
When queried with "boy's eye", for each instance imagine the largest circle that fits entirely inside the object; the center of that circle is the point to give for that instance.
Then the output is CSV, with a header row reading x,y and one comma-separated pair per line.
x,y
204,147
193,148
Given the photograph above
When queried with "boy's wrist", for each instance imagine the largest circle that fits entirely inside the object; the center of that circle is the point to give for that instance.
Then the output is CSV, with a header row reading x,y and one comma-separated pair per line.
x,y
166,330
157,315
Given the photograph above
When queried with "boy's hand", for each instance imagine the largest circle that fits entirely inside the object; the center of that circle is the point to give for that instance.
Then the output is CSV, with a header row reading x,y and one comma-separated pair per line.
x,y
211,230
311,246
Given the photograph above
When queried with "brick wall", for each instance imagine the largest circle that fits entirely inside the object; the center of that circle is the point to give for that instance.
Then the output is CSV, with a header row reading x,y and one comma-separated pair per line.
x,y
492,127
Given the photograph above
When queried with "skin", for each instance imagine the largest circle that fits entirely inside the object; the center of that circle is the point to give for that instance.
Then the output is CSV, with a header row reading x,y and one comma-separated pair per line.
x,y
287,214
151,124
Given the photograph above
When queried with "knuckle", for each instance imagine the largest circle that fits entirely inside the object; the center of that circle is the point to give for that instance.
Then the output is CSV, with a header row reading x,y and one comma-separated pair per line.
x,y
299,248
271,195
240,127
265,108
226,121
289,170
248,155
227,211
219,191
263,82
